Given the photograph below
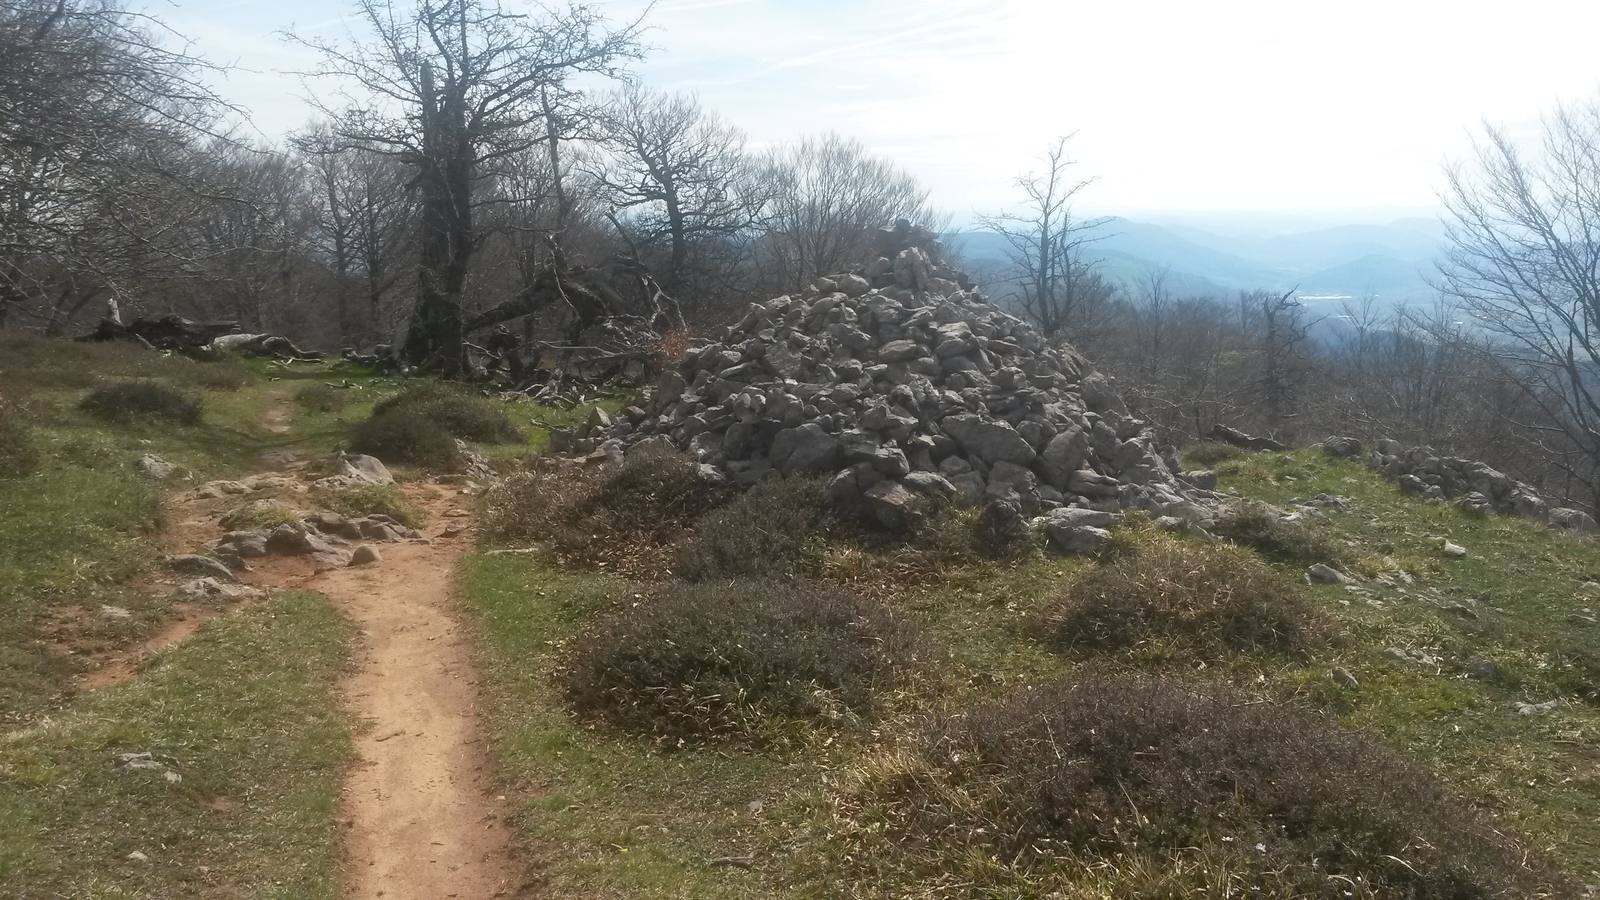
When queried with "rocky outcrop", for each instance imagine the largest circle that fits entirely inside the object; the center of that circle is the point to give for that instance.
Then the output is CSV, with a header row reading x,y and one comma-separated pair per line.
x,y
1470,485
902,389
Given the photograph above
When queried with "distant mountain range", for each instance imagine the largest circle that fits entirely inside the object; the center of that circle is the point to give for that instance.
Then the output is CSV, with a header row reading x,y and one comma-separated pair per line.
x,y
1393,262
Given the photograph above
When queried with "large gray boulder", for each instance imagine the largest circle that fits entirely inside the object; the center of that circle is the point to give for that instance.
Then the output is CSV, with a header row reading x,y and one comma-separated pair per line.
x,y
990,440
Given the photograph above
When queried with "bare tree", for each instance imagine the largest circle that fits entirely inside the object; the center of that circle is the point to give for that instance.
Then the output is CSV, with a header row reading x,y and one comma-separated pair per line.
x,y
678,175
450,87
96,112
364,215
1282,334
1523,259
827,195
1154,300
1046,244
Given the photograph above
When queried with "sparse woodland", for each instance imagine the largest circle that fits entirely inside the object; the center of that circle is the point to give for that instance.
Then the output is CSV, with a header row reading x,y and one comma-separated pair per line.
x,y
455,176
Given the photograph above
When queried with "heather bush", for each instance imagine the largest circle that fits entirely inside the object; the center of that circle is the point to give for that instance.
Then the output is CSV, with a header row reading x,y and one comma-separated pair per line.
x,y
1184,599
141,401
772,530
451,408
1201,792
624,518
401,436
755,661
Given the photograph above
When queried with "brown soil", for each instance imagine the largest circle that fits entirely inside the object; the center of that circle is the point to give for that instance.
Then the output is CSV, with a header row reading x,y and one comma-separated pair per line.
x,y
418,809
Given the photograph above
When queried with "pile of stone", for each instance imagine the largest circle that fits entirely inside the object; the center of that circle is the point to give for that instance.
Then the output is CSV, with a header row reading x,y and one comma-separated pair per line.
x,y
328,539
905,389
1469,484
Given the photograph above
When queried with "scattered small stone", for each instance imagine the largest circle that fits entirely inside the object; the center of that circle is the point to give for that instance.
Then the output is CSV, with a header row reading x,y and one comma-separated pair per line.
x,y
1453,550
138,856
366,554
1483,670
115,612
213,589
1537,709
148,762
204,566
154,467
1344,678
1412,657
1322,573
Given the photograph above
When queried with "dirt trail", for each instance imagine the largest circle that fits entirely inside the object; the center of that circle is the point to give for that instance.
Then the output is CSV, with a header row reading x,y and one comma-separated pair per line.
x,y
421,821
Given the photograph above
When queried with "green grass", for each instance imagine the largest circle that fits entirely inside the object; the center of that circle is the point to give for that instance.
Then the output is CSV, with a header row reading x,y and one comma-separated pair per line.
x,y
604,815
261,749
611,817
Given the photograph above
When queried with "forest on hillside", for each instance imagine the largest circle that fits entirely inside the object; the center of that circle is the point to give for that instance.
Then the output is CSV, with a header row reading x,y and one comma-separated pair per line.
x,y
464,167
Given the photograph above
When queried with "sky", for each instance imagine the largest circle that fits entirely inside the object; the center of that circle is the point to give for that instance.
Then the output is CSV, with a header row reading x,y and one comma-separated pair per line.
x,y
1343,111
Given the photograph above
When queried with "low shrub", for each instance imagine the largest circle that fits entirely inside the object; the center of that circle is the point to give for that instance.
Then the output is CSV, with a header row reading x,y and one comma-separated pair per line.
x,y
772,530
358,500
624,518
1174,597
263,515
133,401
1232,797
755,661
19,455
1209,453
319,397
406,437
457,412
1255,526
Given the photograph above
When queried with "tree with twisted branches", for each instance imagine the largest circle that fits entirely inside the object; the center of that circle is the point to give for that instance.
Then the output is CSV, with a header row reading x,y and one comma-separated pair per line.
x,y
452,87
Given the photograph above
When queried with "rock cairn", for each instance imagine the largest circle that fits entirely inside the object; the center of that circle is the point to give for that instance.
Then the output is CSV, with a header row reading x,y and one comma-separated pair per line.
x,y
905,388
1469,484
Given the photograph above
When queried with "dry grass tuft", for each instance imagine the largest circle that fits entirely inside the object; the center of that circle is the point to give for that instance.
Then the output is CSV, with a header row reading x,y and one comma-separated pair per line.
x,y
1176,598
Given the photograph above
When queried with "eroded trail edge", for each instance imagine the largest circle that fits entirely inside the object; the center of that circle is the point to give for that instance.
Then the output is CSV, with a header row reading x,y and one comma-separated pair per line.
x,y
420,819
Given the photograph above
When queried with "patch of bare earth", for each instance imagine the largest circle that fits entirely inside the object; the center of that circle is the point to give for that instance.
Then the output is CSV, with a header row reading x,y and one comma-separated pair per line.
x,y
420,816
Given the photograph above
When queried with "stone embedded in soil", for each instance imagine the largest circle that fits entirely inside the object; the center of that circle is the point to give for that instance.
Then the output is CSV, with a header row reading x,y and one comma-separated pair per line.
x,y
203,566
366,554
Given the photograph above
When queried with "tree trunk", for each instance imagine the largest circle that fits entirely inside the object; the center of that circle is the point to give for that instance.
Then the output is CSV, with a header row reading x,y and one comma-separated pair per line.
x,y
435,339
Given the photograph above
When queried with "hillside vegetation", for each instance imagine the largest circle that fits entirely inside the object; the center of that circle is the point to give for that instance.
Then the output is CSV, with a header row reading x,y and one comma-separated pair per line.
x,y
1427,732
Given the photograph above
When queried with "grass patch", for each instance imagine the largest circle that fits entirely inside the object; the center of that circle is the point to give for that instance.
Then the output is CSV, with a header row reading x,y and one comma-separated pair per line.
x,y
141,401
19,455
758,661
260,515
260,748
1173,598
605,815
320,397
772,530
30,363
358,500
1191,792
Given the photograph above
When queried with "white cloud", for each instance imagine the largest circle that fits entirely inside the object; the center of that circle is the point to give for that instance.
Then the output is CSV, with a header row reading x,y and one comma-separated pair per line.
x,y
1231,104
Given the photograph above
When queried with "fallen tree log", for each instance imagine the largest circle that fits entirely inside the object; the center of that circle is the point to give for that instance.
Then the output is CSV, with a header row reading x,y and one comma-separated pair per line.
x,y
173,333
1246,441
